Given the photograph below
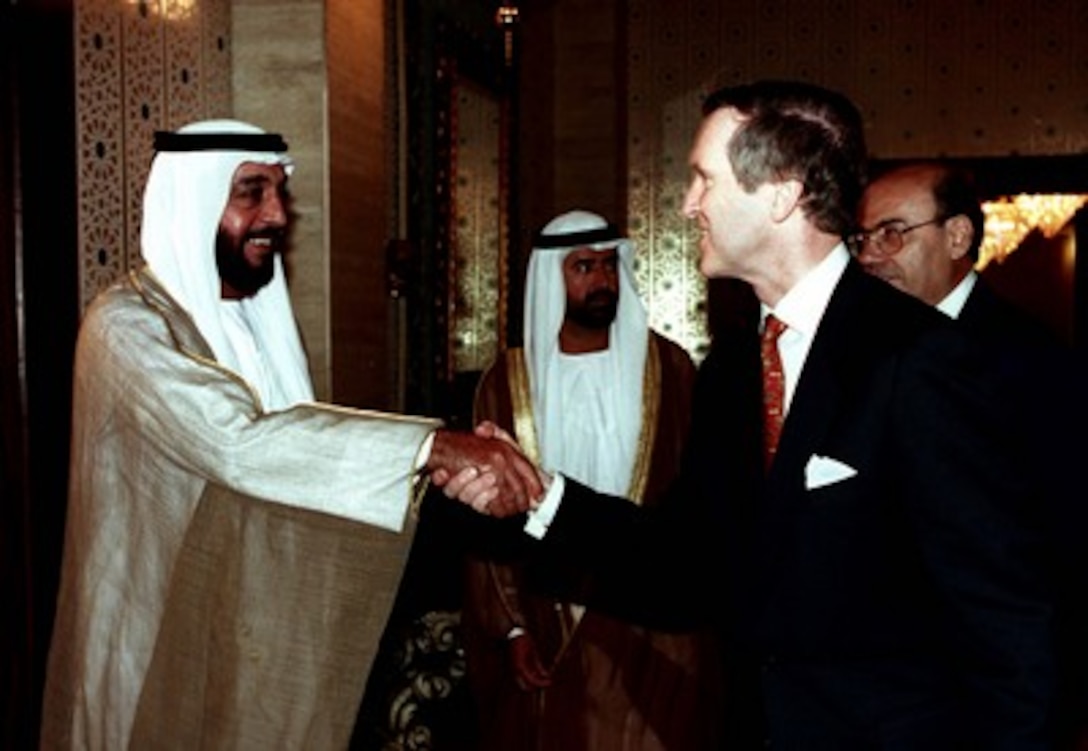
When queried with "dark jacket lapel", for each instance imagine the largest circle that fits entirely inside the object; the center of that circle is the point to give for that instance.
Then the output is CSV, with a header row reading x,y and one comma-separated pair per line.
x,y
819,389
852,337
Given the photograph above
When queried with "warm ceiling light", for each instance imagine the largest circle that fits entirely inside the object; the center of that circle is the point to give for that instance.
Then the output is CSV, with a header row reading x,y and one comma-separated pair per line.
x,y
170,10
1010,219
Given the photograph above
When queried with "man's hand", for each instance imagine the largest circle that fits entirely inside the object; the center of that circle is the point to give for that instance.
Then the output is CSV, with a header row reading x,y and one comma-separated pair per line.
x,y
529,672
502,481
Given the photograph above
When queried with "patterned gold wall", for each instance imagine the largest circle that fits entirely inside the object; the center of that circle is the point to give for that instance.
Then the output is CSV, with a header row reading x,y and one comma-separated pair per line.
x,y
141,66
933,77
479,266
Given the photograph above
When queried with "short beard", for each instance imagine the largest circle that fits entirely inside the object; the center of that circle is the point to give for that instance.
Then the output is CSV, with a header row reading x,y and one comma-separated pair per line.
x,y
597,311
235,271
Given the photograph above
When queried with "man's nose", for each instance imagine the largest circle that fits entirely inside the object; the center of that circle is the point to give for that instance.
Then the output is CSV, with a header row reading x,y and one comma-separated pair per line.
x,y
602,276
868,255
690,205
872,262
274,211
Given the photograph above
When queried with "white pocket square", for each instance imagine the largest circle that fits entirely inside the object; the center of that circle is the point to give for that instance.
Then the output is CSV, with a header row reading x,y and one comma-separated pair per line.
x,y
823,470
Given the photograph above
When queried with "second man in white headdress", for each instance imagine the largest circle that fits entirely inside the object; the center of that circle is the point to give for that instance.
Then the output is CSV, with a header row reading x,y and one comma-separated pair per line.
x,y
598,395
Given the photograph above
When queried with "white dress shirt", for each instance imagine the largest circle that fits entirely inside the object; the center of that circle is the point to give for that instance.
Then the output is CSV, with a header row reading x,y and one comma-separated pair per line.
x,y
952,304
801,309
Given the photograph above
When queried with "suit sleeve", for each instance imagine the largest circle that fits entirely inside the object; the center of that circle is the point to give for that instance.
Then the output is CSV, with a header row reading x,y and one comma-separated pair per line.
x,y
644,564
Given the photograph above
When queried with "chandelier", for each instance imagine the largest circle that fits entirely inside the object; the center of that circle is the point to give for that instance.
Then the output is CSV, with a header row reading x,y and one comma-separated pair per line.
x,y
1010,219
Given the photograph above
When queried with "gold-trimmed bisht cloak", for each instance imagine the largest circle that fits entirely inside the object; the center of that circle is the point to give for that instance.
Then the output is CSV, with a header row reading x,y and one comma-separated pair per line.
x,y
227,571
615,686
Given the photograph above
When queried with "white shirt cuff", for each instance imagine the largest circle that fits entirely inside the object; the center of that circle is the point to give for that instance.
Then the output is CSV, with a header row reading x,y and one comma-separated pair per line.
x,y
424,452
540,518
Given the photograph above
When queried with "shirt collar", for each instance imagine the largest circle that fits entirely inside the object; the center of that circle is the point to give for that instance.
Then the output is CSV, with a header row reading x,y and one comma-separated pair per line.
x,y
803,306
952,304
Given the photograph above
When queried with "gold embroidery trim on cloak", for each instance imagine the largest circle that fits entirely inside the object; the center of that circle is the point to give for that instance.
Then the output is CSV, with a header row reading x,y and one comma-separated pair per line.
x,y
517,380
651,404
525,433
521,403
149,293
525,426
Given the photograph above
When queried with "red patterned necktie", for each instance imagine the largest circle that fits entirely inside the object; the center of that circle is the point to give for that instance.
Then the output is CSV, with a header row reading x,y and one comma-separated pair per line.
x,y
774,387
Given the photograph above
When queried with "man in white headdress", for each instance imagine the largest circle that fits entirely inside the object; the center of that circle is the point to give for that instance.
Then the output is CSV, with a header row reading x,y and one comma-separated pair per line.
x,y
594,393
231,546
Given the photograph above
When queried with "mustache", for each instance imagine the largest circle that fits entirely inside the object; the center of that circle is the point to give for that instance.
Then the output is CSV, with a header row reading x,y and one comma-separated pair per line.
x,y
274,234
601,296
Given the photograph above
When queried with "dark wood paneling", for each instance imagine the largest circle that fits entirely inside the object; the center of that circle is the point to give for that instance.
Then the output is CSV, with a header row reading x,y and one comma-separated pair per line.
x,y
39,204
16,663
1009,175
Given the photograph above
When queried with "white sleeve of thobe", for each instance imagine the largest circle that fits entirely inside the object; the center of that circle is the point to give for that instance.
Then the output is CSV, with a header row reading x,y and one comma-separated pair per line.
x,y
190,412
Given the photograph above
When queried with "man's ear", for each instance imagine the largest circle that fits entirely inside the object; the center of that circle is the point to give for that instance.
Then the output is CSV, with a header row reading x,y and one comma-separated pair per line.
x,y
785,198
960,233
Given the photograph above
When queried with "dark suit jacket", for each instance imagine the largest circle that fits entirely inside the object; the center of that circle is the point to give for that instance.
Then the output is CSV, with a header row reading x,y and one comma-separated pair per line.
x,y
988,314
901,608
1034,357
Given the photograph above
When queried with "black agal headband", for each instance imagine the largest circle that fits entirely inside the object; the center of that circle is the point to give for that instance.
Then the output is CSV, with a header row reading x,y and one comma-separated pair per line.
x,y
166,140
608,233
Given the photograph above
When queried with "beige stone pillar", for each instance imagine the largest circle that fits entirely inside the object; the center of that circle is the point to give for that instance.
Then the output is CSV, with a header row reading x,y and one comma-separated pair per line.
x,y
315,71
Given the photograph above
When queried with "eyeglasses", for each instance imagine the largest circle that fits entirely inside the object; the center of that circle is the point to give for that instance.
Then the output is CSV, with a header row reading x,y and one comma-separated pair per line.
x,y
887,239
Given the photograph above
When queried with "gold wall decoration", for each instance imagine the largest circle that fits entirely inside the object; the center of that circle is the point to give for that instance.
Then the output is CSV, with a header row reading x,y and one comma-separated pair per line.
x,y
478,269
1010,219
141,66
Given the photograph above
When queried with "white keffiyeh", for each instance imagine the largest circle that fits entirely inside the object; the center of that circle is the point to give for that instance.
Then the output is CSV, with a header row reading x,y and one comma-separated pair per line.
x,y
183,204
587,408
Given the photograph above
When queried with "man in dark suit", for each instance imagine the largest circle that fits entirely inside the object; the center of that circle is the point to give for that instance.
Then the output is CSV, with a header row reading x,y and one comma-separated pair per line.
x,y
922,226
878,579
921,229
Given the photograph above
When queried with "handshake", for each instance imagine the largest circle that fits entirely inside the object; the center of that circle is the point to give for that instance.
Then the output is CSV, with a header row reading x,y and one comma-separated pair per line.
x,y
486,470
